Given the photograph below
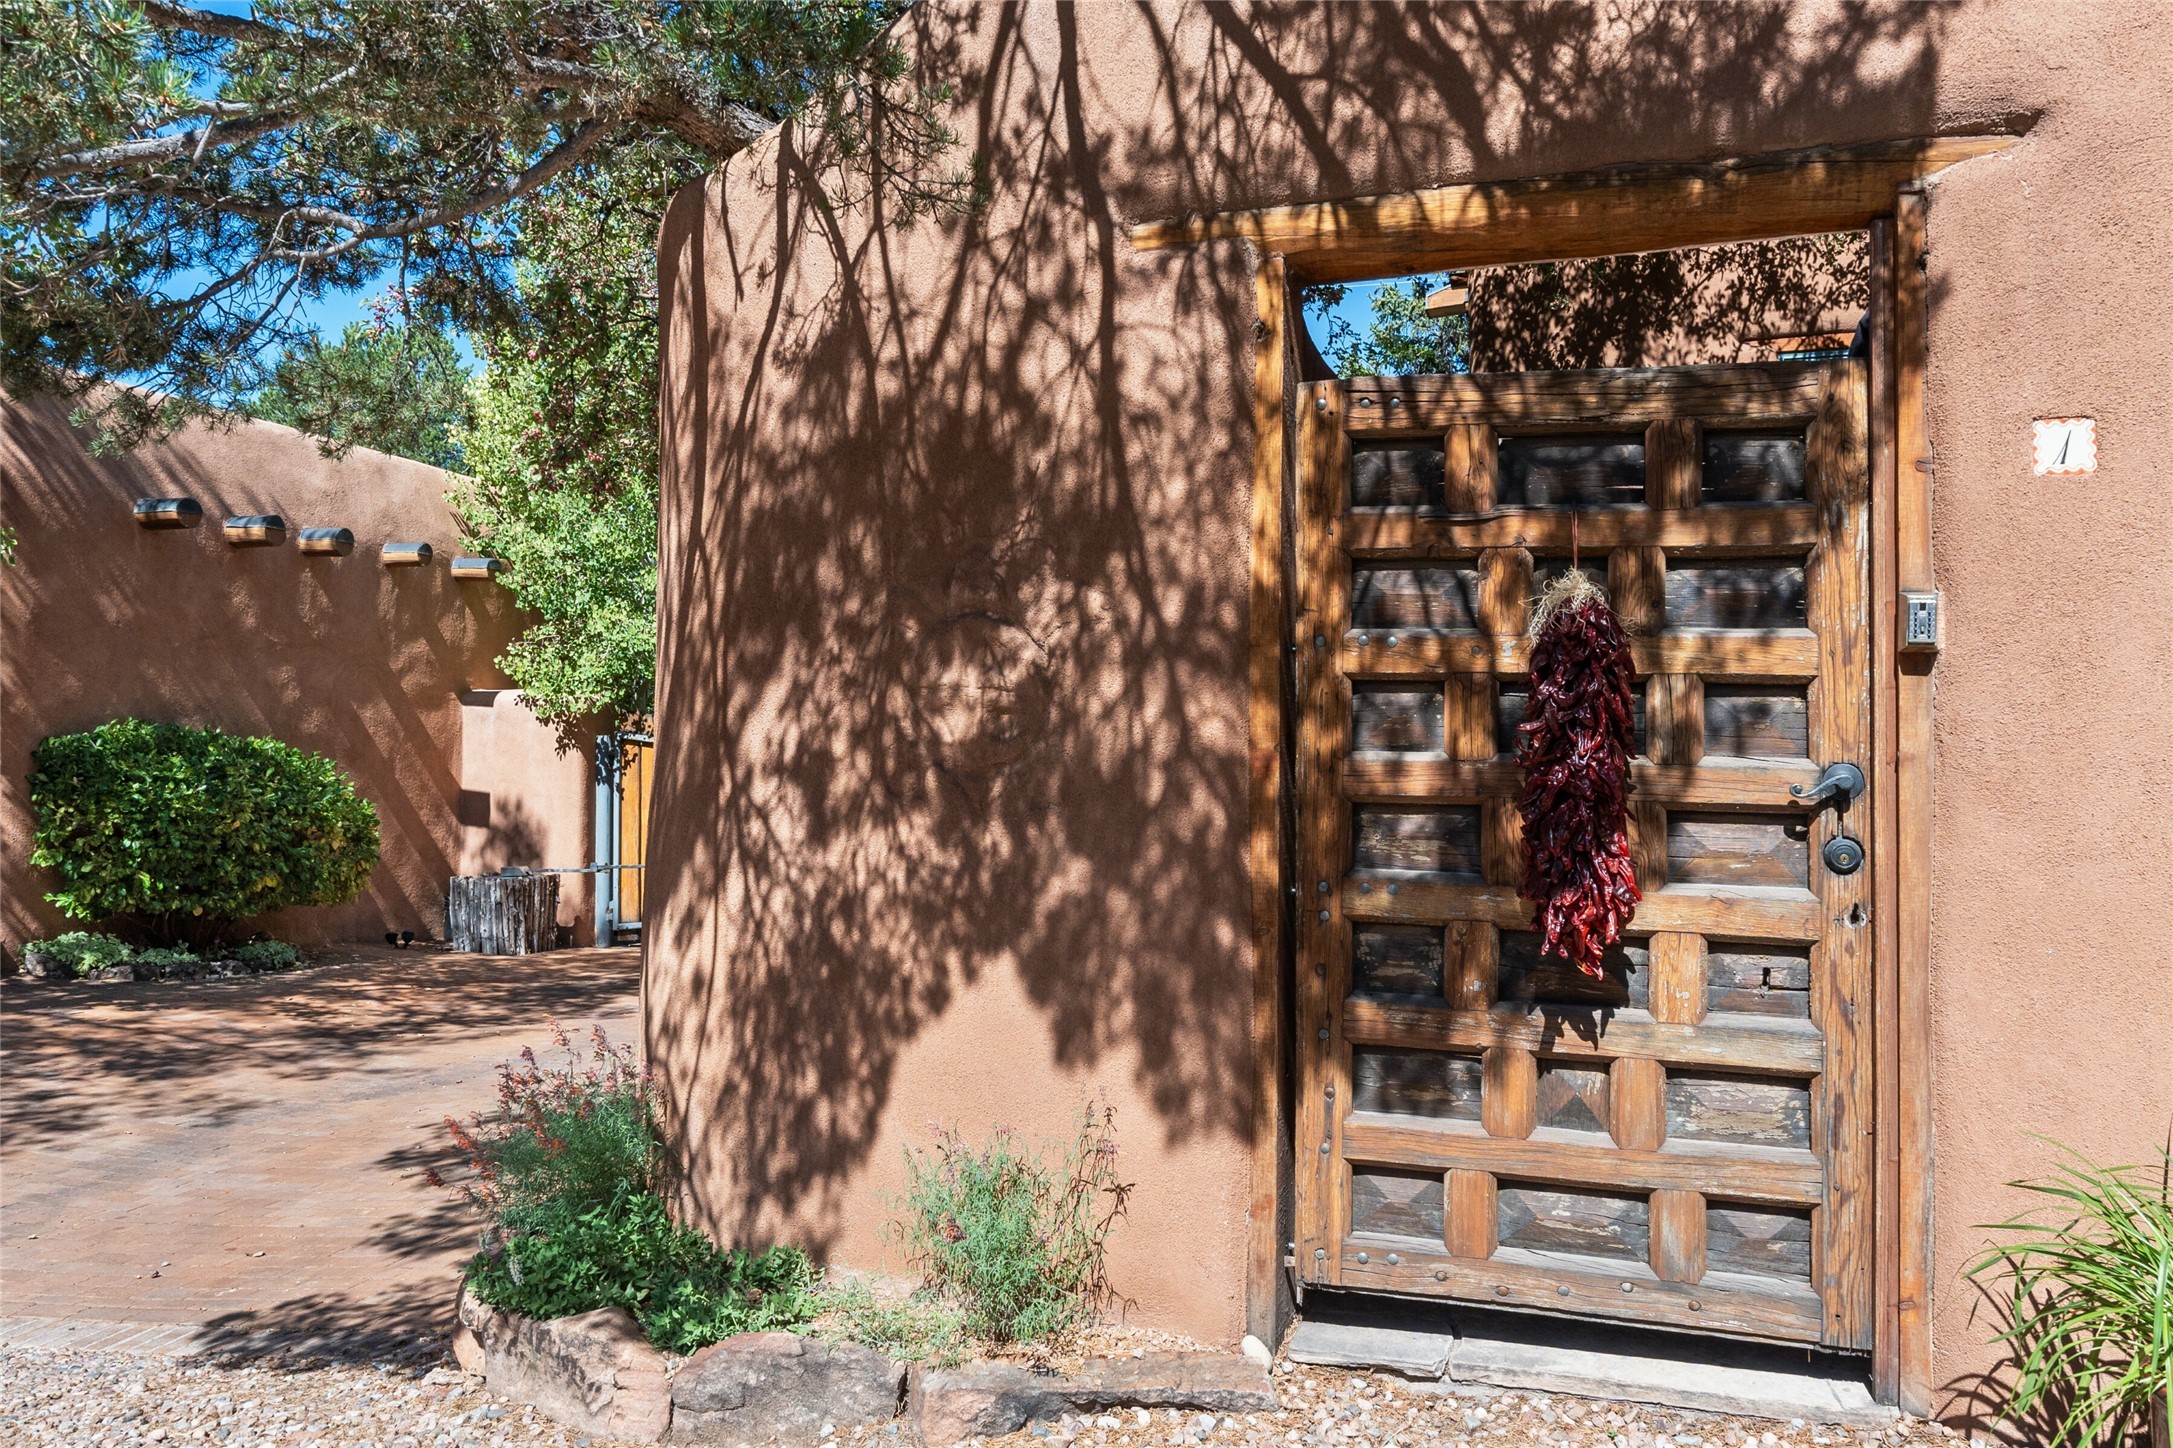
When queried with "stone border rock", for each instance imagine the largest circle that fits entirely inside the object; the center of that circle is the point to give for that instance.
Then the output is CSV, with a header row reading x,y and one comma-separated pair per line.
x,y
595,1373
986,1400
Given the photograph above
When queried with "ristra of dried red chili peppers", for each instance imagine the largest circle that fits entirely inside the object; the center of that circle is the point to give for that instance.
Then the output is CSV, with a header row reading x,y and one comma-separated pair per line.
x,y
1575,746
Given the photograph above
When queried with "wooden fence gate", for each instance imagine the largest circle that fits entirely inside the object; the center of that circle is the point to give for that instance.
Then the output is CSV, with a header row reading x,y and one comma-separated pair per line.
x,y
1685,1143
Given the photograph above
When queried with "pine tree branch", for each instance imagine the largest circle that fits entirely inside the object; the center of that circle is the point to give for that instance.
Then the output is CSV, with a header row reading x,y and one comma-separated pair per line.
x,y
173,147
360,232
167,15
192,143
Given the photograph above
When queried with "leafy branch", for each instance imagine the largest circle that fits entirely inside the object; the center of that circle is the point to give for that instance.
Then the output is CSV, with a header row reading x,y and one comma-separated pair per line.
x,y
180,183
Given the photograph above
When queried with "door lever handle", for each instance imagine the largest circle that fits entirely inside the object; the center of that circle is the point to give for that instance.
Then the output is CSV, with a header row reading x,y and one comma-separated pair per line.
x,y
1845,780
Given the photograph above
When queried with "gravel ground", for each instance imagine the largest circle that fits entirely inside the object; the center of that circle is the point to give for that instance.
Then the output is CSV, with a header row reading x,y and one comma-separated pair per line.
x,y
1332,1408
82,1399
109,1400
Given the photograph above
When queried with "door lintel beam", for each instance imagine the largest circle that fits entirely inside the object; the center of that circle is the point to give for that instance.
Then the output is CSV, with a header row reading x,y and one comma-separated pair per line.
x,y
1595,213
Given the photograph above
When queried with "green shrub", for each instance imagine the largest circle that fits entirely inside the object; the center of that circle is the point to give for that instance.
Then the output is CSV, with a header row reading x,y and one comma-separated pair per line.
x,y
83,951
918,1328
2089,1297
577,1135
183,831
163,957
266,955
555,1260
1016,1244
568,1169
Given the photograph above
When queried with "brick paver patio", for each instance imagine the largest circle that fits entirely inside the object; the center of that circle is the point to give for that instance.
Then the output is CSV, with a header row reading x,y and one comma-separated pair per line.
x,y
246,1158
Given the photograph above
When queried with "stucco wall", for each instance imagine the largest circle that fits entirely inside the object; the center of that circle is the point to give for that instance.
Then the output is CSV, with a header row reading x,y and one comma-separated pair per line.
x,y
527,797
1014,441
104,619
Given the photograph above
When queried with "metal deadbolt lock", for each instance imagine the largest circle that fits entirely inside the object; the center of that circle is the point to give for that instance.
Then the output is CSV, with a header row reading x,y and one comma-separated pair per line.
x,y
1843,855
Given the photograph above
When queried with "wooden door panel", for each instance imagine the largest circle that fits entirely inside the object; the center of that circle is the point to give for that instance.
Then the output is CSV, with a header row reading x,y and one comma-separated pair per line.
x,y
1684,1141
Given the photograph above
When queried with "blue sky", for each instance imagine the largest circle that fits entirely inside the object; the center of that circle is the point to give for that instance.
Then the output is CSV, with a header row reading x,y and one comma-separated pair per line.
x,y
330,314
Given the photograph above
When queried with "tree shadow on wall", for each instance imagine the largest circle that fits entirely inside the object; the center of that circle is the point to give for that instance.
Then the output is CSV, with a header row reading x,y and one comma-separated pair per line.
x,y
952,659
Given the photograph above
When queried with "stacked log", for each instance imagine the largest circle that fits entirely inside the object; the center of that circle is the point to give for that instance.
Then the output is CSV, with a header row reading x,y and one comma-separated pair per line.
x,y
506,914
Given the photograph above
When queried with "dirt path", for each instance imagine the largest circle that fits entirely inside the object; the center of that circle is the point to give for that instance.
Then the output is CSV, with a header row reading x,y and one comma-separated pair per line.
x,y
240,1164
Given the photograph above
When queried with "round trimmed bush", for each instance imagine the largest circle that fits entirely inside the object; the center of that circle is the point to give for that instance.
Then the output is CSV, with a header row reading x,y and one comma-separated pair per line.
x,y
184,831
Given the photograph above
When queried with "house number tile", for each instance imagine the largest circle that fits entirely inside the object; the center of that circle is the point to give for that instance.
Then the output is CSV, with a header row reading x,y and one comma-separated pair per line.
x,y
2063,446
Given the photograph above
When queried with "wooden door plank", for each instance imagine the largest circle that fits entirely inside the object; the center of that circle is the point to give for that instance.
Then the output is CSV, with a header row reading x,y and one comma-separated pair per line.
x,y
1467,717
1735,912
1678,978
1601,399
1509,1095
1501,844
1594,213
1268,763
1469,467
1671,463
1759,784
1746,654
1773,1045
1720,1302
1675,718
1913,815
1838,475
1635,583
1678,1235
1323,740
1474,953
1648,843
1885,854
1778,1176
1471,1220
1505,588
1410,533
1637,1103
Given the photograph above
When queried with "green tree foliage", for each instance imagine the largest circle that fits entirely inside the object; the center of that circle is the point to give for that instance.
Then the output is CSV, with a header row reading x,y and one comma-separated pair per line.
x,y
561,453
178,832
389,384
177,180
1398,339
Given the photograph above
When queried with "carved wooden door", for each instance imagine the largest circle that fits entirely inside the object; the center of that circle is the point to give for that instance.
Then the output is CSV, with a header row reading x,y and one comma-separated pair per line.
x,y
1686,1142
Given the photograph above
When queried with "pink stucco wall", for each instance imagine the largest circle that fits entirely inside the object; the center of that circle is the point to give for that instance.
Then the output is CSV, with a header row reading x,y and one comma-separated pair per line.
x,y
889,888
102,619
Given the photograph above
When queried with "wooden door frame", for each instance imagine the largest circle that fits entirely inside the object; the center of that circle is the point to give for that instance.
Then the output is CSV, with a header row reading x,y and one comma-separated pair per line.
x,y
1877,188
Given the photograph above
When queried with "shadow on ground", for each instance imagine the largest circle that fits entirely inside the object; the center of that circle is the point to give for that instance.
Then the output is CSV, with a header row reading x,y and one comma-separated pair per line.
x,y
405,1325
72,1052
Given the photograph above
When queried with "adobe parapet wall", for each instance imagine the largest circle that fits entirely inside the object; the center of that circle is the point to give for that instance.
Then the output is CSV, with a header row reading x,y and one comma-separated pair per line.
x,y
952,771
101,618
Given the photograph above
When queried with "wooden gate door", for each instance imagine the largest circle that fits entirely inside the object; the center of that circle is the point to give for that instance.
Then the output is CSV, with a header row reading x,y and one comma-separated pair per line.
x,y
1685,1143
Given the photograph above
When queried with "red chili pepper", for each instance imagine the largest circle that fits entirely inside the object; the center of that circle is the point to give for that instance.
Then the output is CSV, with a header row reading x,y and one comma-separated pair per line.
x,y
1575,746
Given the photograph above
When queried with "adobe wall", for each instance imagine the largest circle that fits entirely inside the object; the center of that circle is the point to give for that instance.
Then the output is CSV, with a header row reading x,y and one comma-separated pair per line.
x,y
527,797
951,771
102,619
